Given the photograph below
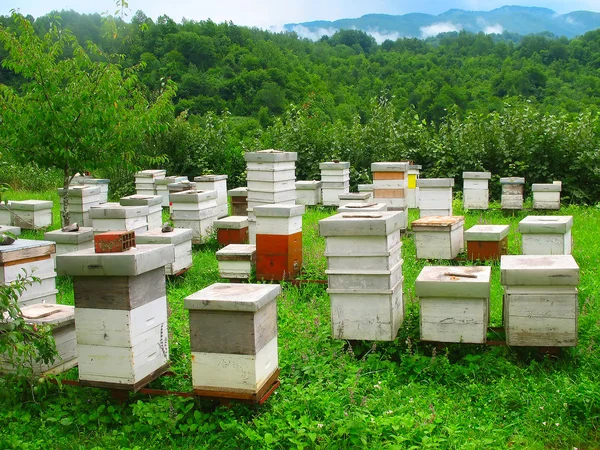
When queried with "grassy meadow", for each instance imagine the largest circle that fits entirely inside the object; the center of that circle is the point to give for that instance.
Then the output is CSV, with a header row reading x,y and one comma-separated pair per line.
x,y
336,394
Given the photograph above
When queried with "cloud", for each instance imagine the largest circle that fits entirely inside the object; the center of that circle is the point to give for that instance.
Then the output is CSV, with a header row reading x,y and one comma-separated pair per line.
x,y
493,29
313,35
381,36
571,21
436,28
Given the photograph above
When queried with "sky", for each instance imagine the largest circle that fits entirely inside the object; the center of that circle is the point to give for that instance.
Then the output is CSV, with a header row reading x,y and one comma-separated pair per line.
x,y
272,14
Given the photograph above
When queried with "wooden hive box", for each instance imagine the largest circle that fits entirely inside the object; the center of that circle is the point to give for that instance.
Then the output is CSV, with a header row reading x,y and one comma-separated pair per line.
x,y
10,229
435,196
390,183
71,241
120,314
180,239
546,196
30,257
335,180
476,190
154,204
546,235
61,319
81,200
32,214
162,189
114,217
232,230
439,237
145,181
196,210
512,192
308,192
540,300
487,242
355,197
233,339
362,207
454,303
6,216
412,193
239,201
216,183
364,261
366,188
102,183
278,241
236,261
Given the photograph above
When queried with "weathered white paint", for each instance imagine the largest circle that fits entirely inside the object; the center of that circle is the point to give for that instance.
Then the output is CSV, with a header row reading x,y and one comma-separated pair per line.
x,y
217,183
475,198
272,175
454,319
374,279
546,235
358,245
272,197
41,268
439,241
278,225
538,270
308,193
235,269
363,261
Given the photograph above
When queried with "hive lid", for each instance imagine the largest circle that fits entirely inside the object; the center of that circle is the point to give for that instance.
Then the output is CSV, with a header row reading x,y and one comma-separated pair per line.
x,y
231,223
237,252
454,282
89,180
334,165
270,156
175,237
170,180
116,211
435,182
362,207
10,229
414,167
365,188
380,223
477,175
141,200
546,224
26,248
84,234
210,178
80,191
232,297
50,314
487,233
238,192
355,196
546,187
192,196
389,167
512,180
308,185
30,205
152,173
278,210
132,262
539,270
441,223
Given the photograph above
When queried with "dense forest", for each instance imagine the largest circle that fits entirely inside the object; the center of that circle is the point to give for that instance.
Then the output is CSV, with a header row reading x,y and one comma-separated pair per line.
x,y
515,105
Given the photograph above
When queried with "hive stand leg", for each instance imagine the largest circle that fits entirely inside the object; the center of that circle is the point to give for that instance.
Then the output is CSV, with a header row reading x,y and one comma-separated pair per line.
x,y
119,395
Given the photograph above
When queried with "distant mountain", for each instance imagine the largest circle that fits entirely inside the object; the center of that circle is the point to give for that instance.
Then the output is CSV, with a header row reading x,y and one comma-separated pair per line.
x,y
515,19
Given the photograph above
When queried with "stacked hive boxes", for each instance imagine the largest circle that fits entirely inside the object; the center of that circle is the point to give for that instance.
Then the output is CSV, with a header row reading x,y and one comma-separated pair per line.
x,y
81,200
512,192
362,188
30,258
154,204
308,193
145,181
365,274
120,314
196,210
540,300
71,241
390,185
180,239
454,303
180,186
412,193
216,183
278,241
439,237
114,217
236,261
31,214
239,201
335,180
546,235
476,190
102,183
161,187
271,178
233,339
435,196
546,196
363,198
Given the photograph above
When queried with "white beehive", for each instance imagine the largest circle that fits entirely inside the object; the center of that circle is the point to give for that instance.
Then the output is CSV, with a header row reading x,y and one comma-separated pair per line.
x,y
236,261
355,197
10,229
362,207
476,190
6,215
61,319
390,184
546,235
161,187
180,186
308,193
239,201
196,210
412,193
32,214
145,181
179,238
435,196
120,314
154,204
335,180
102,183
71,241
540,300
216,183
233,338
439,237
366,188
26,258
454,303
365,274
512,192
114,217
546,196
81,199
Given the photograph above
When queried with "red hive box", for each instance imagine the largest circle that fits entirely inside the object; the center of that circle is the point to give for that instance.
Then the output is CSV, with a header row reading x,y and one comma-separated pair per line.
x,y
487,242
226,237
278,257
114,241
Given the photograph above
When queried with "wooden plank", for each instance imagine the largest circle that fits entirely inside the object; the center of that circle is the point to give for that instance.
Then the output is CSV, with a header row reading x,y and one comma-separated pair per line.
x,y
454,319
388,193
259,397
388,175
27,254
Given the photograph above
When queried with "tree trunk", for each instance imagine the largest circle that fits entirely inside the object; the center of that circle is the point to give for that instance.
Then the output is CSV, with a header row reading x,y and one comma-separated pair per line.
x,y
66,217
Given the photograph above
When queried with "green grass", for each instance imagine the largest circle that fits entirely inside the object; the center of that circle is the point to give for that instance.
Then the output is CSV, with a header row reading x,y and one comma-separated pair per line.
x,y
402,394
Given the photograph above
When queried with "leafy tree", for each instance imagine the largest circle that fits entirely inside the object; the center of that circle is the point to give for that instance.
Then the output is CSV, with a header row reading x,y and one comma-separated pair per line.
x,y
77,113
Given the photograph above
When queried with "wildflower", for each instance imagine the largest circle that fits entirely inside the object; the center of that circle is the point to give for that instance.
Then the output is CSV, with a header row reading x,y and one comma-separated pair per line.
x,y
541,407
557,424
376,386
544,423
319,425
